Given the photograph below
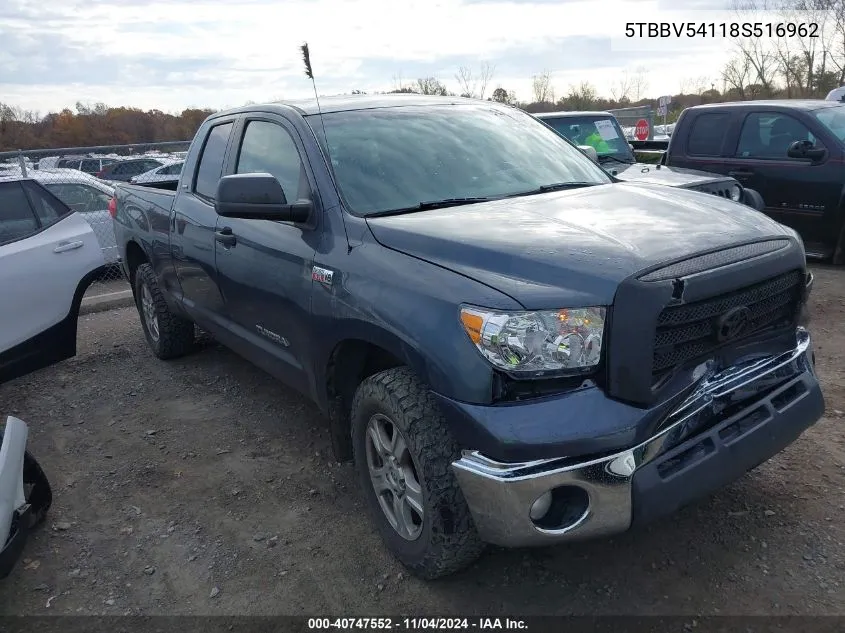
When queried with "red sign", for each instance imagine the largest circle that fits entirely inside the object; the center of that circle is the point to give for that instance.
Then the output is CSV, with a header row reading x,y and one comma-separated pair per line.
x,y
641,131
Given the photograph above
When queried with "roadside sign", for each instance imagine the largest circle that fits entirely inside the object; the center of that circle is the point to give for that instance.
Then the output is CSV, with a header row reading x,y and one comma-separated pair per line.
x,y
664,101
662,110
641,131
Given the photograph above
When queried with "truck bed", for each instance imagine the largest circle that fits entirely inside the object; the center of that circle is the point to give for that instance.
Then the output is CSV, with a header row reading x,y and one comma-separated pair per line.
x,y
155,195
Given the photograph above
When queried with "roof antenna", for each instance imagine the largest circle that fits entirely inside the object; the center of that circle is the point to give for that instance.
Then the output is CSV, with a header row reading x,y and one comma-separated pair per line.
x,y
306,58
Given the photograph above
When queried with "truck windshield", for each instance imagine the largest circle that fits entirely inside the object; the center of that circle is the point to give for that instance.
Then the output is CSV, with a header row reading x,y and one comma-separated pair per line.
x,y
412,157
834,120
601,132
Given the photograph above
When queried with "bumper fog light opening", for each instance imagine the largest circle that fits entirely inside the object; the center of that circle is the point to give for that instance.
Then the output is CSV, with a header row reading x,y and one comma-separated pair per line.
x,y
562,508
541,506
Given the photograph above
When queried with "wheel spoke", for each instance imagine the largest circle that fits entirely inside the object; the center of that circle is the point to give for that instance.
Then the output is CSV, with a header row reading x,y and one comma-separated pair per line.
x,y
414,496
398,446
376,440
404,524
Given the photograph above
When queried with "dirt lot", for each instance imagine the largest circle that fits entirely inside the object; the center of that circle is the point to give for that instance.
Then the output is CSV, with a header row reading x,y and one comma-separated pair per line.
x,y
202,486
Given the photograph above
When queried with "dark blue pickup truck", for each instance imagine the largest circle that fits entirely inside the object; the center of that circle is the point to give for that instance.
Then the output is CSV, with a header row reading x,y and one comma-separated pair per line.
x,y
514,347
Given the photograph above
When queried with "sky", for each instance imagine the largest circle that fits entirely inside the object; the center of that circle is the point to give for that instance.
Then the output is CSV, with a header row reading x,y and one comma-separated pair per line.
x,y
175,54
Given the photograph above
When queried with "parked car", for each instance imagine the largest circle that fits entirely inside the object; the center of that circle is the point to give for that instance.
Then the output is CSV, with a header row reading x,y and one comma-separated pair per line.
x,y
790,151
166,176
84,194
87,165
512,346
122,171
49,256
601,132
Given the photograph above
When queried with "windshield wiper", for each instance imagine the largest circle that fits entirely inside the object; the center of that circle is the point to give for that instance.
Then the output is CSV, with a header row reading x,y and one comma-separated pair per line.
x,y
450,202
560,186
431,204
612,157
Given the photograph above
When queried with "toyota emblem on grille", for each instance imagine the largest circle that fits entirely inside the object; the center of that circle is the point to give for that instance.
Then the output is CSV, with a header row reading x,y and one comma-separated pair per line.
x,y
732,323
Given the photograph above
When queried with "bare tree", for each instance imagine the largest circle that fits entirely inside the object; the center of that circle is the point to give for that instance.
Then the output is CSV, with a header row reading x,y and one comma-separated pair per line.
x,y
735,75
837,27
541,86
762,60
399,84
582,97
466,82
620,90
472,84
431,86
485,75
639,83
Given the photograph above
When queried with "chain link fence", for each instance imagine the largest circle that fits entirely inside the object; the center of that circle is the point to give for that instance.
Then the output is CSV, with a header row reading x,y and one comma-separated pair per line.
x,y
629,118
84,179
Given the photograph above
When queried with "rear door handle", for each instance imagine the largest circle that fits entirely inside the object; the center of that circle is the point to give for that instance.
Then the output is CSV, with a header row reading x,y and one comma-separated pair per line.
x,y
225,236
67,246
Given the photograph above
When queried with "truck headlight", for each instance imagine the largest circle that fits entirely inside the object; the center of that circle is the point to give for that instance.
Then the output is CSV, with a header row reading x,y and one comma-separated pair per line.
x,y
537,343
736,193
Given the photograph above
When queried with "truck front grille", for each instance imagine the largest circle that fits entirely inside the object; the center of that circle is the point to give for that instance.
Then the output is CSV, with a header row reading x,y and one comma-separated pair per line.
x,y
723,190
688,331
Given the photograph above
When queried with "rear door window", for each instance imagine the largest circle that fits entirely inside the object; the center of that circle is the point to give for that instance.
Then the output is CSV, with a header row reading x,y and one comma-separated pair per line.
x,y
48,207
211,161
90,166
707,134
16,217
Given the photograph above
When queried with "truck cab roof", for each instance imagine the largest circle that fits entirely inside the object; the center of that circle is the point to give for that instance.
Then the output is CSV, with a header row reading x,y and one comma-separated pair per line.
x,y
772,104
345,103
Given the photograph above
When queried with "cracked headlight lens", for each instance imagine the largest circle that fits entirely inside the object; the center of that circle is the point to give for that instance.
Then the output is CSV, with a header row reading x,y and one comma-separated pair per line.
x,y
537,343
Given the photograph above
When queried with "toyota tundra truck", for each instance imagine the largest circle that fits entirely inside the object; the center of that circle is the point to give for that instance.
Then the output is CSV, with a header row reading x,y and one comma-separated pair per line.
x,y
512,346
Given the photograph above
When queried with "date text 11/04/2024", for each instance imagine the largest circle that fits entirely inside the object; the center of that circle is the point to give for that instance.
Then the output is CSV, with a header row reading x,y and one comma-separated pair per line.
x,y
721,29
422,623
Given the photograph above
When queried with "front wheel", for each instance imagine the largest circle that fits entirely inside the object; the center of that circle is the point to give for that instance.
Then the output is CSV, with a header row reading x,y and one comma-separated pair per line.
x,y
403,453
168,335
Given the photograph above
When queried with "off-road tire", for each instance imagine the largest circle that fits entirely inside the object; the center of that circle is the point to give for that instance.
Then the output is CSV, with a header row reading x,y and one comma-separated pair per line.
x,y
449,541
176,334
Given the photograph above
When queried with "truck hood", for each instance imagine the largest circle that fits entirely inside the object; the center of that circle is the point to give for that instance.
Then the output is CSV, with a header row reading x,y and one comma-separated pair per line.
x,y
572,248
662,175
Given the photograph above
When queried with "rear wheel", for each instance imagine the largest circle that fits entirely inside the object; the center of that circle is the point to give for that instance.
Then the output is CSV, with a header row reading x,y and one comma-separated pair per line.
x,y
168,335
403,453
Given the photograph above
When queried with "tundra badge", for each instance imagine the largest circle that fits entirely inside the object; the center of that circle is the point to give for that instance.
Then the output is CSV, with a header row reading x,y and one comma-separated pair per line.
x,y
323,275
276,338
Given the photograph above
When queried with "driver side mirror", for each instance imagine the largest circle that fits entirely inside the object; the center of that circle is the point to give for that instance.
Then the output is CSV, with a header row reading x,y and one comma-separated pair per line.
x,y
590,152
258,197
806,150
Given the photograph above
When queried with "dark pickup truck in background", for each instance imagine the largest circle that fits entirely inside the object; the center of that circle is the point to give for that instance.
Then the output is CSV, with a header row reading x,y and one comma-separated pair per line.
x,y
512,347
601,132
791,152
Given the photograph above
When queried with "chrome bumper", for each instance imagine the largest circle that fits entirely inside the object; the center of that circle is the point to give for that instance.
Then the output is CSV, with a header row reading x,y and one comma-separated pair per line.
x,y
500,495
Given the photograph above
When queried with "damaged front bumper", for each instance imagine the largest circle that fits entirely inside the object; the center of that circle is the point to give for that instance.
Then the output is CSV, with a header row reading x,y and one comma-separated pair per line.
x,y
733,421
25,494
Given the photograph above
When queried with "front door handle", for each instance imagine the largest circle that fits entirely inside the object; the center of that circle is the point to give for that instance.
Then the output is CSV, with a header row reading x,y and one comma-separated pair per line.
x,y
225,236
67,246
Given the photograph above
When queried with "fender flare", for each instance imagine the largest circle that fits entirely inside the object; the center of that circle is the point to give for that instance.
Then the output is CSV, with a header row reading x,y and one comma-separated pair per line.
x,y
81,287
753,199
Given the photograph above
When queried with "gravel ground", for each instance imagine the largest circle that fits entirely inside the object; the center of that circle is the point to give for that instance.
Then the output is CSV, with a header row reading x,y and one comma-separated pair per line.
x,y
201,486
